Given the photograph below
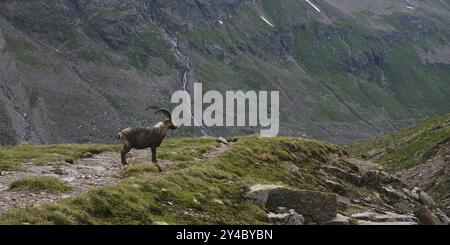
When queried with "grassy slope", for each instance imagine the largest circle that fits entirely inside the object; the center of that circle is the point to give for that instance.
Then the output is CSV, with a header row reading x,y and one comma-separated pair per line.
x,y
186,192
410,148
407,148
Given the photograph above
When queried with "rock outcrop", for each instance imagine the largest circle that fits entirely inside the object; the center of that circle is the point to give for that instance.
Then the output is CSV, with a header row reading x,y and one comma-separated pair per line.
x,y
286,217
316,206
352,192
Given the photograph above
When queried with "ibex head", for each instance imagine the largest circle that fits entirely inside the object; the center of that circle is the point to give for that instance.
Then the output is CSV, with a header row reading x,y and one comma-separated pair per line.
x,y
168,122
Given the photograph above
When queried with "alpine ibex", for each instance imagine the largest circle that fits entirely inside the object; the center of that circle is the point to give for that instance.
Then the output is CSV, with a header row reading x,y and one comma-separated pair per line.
x,y
150,137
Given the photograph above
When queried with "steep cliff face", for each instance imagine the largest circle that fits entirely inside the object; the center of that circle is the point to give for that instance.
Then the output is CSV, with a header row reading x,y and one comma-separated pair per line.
x,y
77,70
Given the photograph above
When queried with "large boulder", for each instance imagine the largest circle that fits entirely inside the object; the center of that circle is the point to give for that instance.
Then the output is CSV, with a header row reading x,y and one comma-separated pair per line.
x,y
258,194
318,207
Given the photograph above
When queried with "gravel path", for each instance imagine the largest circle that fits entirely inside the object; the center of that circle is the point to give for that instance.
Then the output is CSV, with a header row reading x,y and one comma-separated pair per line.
x,y
84,174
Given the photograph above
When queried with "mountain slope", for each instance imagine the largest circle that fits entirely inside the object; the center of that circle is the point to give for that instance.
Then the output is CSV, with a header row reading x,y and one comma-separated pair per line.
x,y
421,155
78,71
205,182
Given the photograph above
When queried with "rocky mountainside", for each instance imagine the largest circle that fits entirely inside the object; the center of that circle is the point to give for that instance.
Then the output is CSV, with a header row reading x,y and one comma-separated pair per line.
x,y
79,70
245,180
419,155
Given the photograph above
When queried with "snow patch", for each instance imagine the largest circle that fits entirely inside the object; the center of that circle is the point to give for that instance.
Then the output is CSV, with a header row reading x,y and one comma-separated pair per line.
x,y
268,22
314,6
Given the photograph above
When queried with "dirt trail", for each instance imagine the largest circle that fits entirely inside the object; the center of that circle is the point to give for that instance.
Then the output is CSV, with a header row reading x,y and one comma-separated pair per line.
x,y
84,174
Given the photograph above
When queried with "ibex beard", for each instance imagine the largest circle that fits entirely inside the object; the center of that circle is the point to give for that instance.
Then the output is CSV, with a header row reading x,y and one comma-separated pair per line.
x,y
149,137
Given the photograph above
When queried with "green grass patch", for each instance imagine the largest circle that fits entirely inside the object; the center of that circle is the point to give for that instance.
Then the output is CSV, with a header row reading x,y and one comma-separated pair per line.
x,y
139,169
407,148
185,149
39,184
150,45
